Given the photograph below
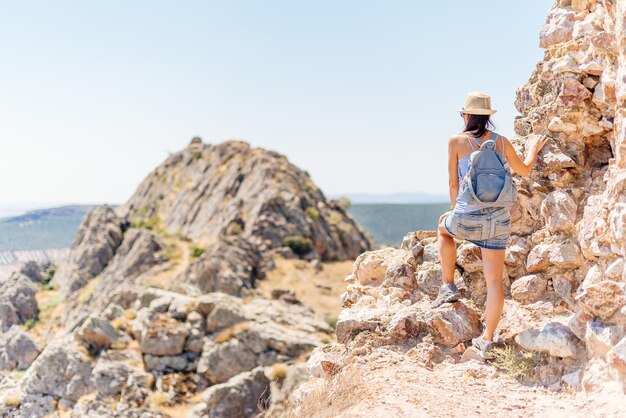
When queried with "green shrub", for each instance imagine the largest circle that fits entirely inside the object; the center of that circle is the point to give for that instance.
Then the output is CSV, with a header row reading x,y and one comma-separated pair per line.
x,y
197,252
298,244
197,155
344,202
312,213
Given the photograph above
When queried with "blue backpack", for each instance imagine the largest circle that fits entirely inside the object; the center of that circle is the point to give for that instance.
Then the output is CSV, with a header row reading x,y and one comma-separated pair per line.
x,y
488,181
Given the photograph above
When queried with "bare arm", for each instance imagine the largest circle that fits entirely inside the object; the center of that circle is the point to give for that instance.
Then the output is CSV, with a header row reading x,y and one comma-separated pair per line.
x,y
523,167
453,176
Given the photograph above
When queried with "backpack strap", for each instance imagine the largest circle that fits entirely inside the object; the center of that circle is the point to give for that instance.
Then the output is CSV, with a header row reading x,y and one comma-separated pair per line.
x,y
470,143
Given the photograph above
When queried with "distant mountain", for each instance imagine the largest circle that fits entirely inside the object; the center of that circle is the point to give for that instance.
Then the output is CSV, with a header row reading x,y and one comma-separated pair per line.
x,y
42,228
406,197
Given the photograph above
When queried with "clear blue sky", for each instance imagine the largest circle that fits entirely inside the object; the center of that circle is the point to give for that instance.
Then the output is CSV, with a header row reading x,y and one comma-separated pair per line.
x,y
362,94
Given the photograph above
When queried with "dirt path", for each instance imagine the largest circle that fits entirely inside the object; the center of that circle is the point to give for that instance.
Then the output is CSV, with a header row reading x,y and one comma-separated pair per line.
x,y
391,384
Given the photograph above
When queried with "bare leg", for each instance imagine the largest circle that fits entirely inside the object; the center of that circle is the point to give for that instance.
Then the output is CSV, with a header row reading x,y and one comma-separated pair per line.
x,y
447,252
493,267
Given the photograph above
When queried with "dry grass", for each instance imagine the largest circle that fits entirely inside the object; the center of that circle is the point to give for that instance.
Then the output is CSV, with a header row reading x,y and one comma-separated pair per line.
x,y
89,289
278,371
331,399
318,290
12,401
228,333
517,364
48,322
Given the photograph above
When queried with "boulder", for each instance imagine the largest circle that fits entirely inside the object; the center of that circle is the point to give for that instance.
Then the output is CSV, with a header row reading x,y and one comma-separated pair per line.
x,y
17,301
559,209
386,267
406,323
241,396
352,321
221,361
98,333
600,338
558,28
231,265
112,377
452,323
61,370
17,349
555,339
603,299
529,288
185,362
164,336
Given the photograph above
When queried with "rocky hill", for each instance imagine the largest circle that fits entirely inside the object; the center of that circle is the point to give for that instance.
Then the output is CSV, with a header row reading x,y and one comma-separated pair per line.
x,y
564,322
156,311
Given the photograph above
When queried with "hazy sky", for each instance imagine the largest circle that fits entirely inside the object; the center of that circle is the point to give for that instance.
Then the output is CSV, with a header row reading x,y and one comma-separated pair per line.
x,y
362,94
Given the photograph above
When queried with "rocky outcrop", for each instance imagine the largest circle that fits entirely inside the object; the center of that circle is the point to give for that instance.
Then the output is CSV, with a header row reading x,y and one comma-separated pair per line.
x,y
94,246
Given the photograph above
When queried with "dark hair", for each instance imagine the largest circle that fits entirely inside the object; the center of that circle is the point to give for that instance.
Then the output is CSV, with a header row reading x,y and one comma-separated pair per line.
x,y
478,124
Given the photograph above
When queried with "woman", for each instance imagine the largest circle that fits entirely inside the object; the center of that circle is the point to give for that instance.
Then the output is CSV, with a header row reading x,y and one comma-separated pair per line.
x,y
494,221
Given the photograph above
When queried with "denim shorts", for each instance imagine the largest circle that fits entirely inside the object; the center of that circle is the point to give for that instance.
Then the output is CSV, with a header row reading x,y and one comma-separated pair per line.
x,y
487,228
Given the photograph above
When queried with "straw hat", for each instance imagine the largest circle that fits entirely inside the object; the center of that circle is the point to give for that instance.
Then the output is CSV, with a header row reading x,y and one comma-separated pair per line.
x,y
477,103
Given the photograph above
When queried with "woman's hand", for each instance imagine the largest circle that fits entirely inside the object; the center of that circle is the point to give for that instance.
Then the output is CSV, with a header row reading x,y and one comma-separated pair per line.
x,y
537,144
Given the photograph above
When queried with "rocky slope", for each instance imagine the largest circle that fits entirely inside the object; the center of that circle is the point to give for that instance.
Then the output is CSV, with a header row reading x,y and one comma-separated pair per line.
x,y
564,323
155,312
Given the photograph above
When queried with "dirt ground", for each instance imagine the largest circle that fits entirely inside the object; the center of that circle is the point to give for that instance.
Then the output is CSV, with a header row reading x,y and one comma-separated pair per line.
x,y
386,383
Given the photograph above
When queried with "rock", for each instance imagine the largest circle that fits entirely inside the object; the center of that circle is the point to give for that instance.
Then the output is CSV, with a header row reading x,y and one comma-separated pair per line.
x,y
572,379
239,397
221,361
529,288
185,362
139,252
386,267
352,321
17,301
555,339
17,349
325,361
98,333
453,323
229,266
603,299
515,319
471,353
60,371
615,270
164,336
406,323
288,296
469,257
97,239
564,255
617,357
426,354
38,272
573,93
111,378
578,323
559,211
559,27
601,338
